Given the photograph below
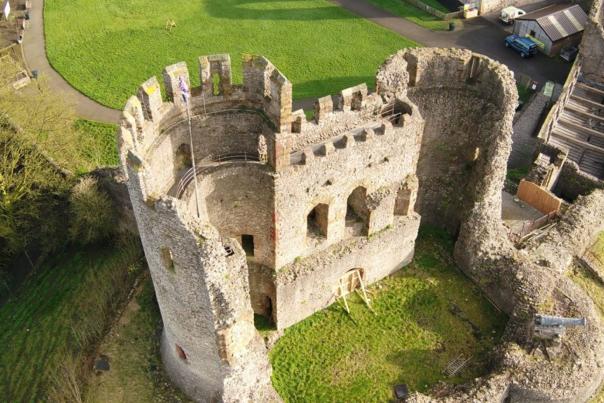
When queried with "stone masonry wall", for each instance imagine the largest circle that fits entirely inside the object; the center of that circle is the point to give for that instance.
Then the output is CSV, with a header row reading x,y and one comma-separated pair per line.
x,y
238,199
519,282
379,158
311,283
572,182
592,45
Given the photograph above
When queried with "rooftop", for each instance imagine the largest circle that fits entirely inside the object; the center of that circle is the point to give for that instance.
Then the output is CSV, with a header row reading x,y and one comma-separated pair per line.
x,y
559,20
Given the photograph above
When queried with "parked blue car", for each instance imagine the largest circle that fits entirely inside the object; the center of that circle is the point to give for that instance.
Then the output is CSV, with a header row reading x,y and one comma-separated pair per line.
x,y
522,45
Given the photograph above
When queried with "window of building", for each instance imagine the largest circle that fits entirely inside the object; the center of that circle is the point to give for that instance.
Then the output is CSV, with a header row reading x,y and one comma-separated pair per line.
x,y
247,243
167,259
181,353
316,221
357,213
183,156
403,200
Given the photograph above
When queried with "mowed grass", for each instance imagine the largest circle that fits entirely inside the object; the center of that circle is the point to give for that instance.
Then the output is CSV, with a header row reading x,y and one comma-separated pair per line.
x,y
132,348
408,11
425,316
57,313
107,48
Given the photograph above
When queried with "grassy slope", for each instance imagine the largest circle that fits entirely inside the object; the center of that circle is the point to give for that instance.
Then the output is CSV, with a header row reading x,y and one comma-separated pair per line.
x,y
414,14
104,135
329,357
133,351
53,311
107,48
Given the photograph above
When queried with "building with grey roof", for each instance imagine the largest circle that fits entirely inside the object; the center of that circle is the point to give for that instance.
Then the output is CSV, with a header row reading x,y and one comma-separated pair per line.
x,y
553,27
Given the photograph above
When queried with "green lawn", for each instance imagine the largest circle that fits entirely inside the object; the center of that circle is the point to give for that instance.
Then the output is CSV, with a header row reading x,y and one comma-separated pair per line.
x,y
132,347
426,316
414,14
57,314
107,48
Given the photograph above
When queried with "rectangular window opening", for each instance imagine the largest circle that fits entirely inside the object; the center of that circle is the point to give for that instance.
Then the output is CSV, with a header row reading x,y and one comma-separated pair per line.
x,y
247,243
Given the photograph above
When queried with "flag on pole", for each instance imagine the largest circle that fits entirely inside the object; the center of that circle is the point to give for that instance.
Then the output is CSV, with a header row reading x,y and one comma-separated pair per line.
x,y
184,88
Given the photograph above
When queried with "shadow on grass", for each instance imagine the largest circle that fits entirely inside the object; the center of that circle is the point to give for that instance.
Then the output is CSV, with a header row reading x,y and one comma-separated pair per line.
x,y
294,10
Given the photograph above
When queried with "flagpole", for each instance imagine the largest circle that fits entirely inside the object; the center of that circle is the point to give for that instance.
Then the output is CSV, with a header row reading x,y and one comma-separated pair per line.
x,y
186,96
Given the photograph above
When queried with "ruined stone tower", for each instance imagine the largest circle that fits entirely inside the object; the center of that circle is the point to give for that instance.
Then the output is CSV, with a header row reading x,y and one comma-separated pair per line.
x,y
286,214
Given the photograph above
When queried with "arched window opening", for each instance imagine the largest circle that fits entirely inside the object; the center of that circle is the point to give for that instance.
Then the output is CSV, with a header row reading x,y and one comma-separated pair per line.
x,y
316,222
167,259
402,206
357,213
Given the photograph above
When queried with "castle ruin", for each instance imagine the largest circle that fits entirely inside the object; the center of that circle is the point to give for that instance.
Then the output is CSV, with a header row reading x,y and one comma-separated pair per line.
x,y
256,209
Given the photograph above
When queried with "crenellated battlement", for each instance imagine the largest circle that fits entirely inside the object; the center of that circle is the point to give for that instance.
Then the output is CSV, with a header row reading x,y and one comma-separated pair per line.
x,y
265,92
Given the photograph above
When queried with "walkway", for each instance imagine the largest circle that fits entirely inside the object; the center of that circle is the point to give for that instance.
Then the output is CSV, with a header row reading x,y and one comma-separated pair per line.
x,y
479,35
35,55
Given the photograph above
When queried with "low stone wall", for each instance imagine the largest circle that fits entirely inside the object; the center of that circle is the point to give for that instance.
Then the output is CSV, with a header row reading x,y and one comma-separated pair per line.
x,y
311,284
573,183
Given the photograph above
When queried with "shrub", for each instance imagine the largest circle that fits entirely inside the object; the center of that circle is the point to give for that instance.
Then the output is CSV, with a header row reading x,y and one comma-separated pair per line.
x,y
93,216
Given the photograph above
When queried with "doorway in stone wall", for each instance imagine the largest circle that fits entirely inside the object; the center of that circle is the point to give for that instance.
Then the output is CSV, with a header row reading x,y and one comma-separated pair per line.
x,y
351,281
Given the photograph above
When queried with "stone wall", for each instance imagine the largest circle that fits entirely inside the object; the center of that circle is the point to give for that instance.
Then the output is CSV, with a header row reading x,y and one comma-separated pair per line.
x,y
456,140
378,148
376,158
208,337
523,282
238,198
572,182
592,45
311,283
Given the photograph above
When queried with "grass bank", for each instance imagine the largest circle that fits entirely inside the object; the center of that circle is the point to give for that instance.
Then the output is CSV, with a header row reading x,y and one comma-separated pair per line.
x,y
104,153
106,49
58,314
132,349
425,317
409,12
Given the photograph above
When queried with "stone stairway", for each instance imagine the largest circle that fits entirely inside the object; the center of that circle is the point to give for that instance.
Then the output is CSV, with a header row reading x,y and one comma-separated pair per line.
x,y
580,129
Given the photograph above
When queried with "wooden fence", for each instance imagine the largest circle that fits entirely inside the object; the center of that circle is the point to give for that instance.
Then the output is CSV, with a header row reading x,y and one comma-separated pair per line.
x,y
537,197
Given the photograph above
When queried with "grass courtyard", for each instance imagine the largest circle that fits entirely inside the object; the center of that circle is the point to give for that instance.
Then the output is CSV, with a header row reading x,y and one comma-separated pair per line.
x,y
106,49
426,316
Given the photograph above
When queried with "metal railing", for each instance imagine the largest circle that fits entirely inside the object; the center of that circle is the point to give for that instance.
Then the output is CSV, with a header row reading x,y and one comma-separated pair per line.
x,y
212,161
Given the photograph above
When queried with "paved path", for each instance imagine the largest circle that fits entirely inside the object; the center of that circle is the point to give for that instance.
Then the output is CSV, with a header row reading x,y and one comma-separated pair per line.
x,y
481,35
35,55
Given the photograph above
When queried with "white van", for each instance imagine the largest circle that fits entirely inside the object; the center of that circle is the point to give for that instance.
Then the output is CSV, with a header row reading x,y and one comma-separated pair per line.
x,y
509,14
